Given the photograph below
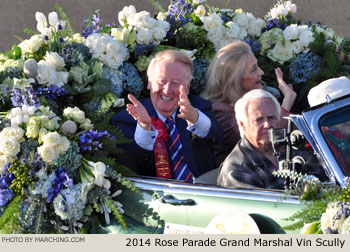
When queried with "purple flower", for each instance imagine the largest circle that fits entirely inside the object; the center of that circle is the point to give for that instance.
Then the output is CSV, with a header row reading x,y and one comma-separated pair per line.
x,y
61,181
89,140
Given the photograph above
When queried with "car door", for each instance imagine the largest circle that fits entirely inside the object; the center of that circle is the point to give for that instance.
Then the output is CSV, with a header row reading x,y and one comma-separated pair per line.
x,y
161,201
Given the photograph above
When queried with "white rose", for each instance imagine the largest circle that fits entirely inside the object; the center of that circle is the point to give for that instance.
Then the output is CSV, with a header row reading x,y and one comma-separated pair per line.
x,y
149,22
302,28
161,16
144,36
15,132
61,79
79,116
243,33
4,160
46,73
281,53
242,20
291,32
63,146
216,34
9,146
233,30
68,113
158,34
47,153
53,19
297,47
32,131
122,15
306,37
32,45
36,42
163,25
15,111
211,22
31,110
113,61
52,139
99,47
255,27
200,11
54,59
87,125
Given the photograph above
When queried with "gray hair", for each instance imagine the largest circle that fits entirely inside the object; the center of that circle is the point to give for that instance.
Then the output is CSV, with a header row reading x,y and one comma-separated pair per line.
x,y
241,106
225,73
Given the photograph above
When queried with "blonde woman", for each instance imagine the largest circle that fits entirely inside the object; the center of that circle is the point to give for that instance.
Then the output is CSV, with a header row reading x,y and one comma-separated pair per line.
x,y
232,73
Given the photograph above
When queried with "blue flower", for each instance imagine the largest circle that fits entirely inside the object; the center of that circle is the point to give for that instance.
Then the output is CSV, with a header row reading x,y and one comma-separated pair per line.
x,y
5,196
88,140
200,67
61,181
132,82
51,92
26,97
304,66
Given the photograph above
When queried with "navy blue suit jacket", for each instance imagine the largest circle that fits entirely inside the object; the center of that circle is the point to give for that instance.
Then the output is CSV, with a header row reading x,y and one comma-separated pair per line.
x,y
197,151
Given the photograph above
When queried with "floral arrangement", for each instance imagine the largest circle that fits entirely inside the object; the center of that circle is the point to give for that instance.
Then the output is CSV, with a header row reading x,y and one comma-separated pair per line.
x,y
59,90
327,206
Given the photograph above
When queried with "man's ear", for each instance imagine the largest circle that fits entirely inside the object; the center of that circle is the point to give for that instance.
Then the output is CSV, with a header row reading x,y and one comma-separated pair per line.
x,y
242,125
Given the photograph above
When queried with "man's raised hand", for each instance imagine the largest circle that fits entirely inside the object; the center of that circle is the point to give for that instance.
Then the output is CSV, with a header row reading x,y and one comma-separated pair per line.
x,y
139,112
186,111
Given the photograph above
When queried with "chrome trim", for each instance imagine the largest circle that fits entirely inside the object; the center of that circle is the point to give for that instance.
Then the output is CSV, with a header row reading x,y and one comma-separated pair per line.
x,y
172,186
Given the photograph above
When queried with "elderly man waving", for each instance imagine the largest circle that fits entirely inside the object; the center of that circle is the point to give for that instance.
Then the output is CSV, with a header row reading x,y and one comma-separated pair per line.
x,y
251,162
172,132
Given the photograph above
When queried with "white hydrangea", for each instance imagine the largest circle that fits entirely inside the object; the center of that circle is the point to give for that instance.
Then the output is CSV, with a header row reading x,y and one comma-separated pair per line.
x,y
107,49
332,219
148,29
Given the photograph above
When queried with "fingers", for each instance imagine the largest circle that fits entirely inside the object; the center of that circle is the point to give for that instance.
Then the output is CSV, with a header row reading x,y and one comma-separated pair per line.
x,y
133,100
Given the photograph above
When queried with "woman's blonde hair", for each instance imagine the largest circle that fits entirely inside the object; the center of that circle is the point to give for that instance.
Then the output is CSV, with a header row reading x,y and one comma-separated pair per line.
x,y
173,56
225,73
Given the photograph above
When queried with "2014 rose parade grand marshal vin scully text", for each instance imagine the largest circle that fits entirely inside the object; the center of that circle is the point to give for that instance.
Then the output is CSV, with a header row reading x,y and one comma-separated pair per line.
x,y
225,242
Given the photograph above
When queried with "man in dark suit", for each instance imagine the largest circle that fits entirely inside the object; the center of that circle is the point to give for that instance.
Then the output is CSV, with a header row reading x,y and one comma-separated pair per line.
x,y
172,132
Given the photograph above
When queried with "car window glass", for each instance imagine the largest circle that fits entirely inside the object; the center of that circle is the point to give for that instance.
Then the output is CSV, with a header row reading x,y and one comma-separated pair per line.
x,y
335,128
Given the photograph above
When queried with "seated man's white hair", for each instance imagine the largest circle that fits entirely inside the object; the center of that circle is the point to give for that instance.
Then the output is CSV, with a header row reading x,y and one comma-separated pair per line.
x,y
241,106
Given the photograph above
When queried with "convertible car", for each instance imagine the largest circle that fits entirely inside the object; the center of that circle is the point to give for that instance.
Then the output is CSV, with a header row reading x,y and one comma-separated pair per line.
x,y
168,206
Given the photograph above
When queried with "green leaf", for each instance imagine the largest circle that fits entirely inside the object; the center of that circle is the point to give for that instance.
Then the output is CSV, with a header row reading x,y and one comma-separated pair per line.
x,y
14,53
101,87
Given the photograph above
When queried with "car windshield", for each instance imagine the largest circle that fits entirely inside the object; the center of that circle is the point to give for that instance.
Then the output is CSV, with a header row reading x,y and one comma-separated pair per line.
x,y
335,128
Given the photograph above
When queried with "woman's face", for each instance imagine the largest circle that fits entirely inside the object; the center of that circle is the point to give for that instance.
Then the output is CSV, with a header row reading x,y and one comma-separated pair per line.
x,y
252,76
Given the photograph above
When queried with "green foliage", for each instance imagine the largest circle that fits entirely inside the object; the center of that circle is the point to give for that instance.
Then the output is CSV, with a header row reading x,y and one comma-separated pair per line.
x,y
9,220
68,31
192,37
22,177
314,194
116,213
30,32
14,53
70,161
157,5
33,218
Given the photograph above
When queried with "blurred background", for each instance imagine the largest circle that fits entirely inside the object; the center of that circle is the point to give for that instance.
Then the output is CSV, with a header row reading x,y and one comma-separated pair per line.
x,y
15,15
